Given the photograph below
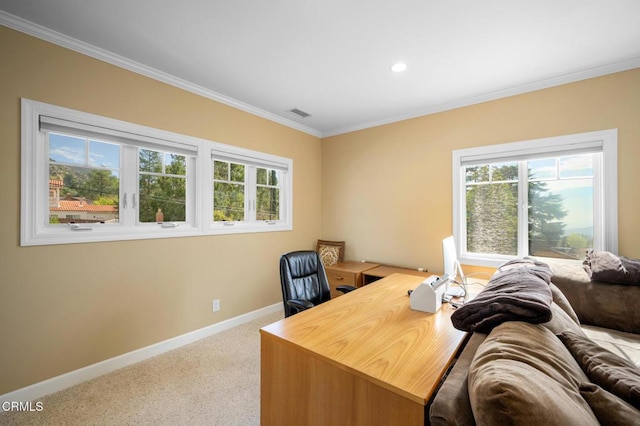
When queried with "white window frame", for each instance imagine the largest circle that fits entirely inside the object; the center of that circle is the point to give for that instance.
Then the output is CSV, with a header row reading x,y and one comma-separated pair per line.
x,y
251,161
34,226
605,185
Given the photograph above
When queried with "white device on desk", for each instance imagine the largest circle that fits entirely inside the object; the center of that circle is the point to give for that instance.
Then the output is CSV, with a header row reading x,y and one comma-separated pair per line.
x,y
452,268
427,297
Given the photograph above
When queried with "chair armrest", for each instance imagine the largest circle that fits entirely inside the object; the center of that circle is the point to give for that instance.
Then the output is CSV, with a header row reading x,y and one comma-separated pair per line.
x,y
346,288
299,304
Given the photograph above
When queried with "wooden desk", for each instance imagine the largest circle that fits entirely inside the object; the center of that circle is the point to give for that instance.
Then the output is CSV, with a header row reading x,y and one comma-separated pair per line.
x,y
346,273
364,358
374,274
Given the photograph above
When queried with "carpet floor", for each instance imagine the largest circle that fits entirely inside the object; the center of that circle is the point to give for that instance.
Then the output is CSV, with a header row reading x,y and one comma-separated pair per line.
x,y
214,381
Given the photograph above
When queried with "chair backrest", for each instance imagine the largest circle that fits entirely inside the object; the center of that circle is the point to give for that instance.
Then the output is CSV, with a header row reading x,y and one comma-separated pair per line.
x,y
331,252
303,277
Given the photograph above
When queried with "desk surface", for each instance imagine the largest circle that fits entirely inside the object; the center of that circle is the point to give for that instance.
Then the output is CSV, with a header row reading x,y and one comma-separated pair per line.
x,y
373,333
382,271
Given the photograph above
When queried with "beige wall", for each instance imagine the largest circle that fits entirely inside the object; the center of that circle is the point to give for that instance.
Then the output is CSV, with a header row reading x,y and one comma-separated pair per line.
x,y
387,190
67,306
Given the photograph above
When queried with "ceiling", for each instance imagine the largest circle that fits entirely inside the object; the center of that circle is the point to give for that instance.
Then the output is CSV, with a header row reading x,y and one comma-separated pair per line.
x,y
332,58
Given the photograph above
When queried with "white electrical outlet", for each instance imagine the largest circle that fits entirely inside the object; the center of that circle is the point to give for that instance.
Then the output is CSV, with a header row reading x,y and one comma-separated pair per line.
x,y
216,305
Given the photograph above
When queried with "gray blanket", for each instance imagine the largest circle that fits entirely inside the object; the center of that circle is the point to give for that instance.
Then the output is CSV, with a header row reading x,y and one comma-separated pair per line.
x,y
607,267
519,291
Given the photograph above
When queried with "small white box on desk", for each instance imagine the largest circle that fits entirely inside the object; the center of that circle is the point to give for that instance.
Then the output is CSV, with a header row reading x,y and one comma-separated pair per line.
x,y
427,297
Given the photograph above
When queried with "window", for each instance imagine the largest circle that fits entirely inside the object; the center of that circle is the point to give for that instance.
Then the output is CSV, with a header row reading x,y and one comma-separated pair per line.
x,y
249,191
90,178
162,186
84,182
550,198
228,191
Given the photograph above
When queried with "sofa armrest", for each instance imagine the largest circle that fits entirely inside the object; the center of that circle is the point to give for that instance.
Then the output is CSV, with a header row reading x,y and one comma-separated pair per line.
x,y
597,303
451,405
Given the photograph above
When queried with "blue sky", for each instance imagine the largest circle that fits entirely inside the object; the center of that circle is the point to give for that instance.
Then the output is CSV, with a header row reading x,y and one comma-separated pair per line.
x,y
575,185
80,152
578,201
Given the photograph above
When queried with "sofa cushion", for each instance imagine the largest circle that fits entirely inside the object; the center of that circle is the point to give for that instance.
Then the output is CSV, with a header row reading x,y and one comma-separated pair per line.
x,y
523,374
451,406
608,408
561,300
561,321
626,345
600,304
606,369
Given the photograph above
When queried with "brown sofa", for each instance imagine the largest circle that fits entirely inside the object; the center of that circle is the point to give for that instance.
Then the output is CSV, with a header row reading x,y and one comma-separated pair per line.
x,y
521,373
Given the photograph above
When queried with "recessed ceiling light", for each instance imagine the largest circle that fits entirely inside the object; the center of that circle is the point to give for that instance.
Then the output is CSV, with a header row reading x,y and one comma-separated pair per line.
x,y
399,67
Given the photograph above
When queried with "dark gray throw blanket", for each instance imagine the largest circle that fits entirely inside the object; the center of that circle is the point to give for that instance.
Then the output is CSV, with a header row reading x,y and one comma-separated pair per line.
x,y
607,267
519,291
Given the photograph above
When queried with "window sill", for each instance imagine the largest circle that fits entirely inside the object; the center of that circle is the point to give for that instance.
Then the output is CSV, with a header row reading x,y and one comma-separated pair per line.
x,y
94,234
496,261
66,235
243,228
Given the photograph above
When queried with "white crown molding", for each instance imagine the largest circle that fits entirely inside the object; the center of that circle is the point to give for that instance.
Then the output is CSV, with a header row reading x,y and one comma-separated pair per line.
x,y
43,33
55,37
64,381
498,94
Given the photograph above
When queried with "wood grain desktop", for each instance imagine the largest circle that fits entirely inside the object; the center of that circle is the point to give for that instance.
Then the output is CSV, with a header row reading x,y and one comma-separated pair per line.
x,y
364,358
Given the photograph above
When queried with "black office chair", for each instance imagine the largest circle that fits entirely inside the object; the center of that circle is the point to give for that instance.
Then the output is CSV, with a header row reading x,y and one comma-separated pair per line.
x,y
304,281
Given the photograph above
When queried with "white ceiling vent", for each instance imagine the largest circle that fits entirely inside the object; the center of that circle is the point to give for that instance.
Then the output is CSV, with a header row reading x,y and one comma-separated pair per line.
x,y
300,112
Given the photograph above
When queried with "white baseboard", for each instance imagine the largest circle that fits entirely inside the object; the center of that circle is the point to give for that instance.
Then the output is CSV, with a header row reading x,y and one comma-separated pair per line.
x,y
58,383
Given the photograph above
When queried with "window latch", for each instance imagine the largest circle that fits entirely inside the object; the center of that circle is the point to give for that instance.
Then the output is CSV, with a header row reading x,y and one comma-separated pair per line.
x,y
124,201
78,227
225,223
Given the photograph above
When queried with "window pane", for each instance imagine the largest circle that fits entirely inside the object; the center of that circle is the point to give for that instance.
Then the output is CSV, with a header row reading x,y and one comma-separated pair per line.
x,y
162,194
261,176
228,191
268,203
492,218
237,172
273,177
576,166
228,201
561,218
162,187
103,154
82,195
477,174
150,161
504,172
67,149
175,164
268,194
542,169
220,170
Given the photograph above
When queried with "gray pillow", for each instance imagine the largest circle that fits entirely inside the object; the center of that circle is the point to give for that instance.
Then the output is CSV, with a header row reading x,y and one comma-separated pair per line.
x,y
607,267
